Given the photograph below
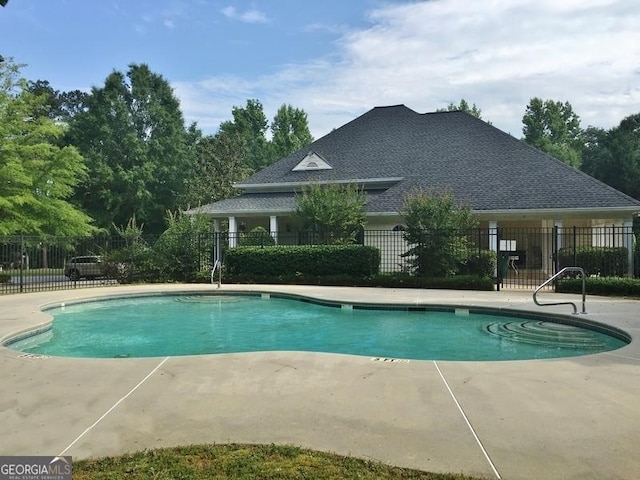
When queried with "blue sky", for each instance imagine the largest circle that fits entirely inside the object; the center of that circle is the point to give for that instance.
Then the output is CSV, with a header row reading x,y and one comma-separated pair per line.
x,y
337,59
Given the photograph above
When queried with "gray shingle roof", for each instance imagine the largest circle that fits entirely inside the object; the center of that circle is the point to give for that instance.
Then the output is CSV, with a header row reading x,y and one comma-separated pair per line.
x,y
261,204
481,165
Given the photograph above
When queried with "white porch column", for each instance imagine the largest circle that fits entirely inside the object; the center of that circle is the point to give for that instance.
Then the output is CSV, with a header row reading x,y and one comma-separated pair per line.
x,y
216,224
493,241
558,241
628,244
547,246
273,227
233,232
493,236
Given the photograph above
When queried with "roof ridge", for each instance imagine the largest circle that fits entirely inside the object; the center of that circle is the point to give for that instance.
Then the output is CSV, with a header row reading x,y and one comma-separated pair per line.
x,y
402,105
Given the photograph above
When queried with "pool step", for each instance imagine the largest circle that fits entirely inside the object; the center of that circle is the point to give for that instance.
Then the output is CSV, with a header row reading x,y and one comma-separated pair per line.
x,y
538,332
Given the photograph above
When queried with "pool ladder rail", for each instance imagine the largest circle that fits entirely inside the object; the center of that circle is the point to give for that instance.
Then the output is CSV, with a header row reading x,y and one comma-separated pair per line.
x,y
554,277
217,266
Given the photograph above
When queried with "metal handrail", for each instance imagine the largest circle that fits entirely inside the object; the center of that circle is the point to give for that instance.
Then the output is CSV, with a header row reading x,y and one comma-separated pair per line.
x,y
217,265
551,279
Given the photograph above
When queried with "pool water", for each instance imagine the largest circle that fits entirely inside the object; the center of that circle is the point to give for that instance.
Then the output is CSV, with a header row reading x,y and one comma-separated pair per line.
x,y
209,324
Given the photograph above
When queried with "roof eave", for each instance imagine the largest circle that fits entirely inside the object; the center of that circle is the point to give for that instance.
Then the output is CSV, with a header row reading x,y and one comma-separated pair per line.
x,y
241,213
541,212
605,212
583,212
293,186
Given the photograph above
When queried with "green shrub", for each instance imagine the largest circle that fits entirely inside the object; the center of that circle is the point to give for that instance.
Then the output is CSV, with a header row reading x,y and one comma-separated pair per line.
x,y
480,263
458,282
435,230
333,212
293,279
184,247
601,261
131,265
5,278
133,262
613,286
258,236
314,260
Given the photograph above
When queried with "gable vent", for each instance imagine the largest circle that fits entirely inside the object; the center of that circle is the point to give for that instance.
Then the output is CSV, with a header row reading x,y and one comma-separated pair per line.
x,y
312,161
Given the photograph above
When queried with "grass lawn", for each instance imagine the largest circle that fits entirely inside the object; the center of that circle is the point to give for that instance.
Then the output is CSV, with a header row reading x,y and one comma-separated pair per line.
x,y
235,461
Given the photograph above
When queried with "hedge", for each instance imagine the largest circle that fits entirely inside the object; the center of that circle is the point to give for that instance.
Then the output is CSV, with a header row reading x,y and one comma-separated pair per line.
x,y
612,286
460,282
602,261
314,260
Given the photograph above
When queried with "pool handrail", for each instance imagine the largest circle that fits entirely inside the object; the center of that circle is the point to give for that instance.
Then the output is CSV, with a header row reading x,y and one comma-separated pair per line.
x,y
217,265
554,277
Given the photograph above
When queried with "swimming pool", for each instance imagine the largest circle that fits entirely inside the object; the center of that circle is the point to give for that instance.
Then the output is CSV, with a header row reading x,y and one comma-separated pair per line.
x,y
172,325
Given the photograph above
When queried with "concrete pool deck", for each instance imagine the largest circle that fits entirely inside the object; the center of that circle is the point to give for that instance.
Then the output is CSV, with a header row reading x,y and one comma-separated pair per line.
x,y
542,419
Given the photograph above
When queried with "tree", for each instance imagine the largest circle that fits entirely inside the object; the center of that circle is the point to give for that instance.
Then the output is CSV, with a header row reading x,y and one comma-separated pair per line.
x,y
59,106
436,226
49,96
133,138
614,156
219,163
184,248
37,176
290,130
593,148
334,212
554,128
250,126
463,106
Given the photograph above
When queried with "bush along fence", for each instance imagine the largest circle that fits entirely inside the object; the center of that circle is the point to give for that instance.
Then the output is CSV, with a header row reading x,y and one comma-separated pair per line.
x,y
475,259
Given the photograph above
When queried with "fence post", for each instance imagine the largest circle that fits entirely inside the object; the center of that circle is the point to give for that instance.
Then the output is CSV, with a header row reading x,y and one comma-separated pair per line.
x,y
556,253
216,248
494,241
627,240
575,249
22,259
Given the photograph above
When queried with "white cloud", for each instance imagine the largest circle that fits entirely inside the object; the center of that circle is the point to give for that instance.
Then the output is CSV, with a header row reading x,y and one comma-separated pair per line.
x,y
249,16
254,16
325,27
496,54
173,13
229,12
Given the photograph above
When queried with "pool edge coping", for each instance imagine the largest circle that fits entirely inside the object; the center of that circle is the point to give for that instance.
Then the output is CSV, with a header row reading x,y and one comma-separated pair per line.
x,y
568,319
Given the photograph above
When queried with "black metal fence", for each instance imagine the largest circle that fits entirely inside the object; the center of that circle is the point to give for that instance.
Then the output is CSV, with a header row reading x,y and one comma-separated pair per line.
x,y
30,264
525,256
532,255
